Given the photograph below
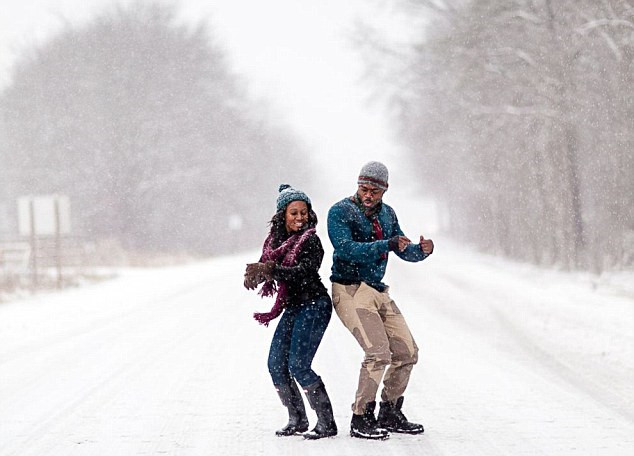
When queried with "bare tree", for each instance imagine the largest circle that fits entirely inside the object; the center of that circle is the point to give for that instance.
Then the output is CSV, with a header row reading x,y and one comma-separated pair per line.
x,y
522,113
141,121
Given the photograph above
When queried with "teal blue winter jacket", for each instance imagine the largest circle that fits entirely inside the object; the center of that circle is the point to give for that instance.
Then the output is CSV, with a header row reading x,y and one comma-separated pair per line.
x,y
357,255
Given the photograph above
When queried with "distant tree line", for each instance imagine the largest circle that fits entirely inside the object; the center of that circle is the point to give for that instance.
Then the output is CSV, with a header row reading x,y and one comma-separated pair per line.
x,y
519,116
140,120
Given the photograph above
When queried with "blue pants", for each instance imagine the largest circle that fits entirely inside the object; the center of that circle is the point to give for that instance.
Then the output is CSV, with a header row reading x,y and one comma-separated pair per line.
x,y
296,340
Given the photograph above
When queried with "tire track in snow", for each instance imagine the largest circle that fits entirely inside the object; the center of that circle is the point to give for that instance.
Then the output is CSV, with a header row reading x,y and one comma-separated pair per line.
x,y
476,314
575,378
150,354
489,307
94,325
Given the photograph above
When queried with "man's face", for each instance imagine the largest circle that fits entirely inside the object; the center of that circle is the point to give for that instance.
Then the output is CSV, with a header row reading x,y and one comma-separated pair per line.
x,y
370,195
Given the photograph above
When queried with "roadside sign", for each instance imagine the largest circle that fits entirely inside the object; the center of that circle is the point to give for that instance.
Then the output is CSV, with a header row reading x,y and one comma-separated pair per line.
x,y
47,215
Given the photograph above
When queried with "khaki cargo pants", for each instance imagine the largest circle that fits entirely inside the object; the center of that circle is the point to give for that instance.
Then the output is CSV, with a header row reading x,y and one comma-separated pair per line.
x,y
379,327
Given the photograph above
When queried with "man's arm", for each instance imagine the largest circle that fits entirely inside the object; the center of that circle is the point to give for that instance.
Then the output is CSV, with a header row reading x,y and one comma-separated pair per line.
x,y
413,252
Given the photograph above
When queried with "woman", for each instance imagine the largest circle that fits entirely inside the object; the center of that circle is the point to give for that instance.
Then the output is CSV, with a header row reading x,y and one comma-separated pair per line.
x,y
289,267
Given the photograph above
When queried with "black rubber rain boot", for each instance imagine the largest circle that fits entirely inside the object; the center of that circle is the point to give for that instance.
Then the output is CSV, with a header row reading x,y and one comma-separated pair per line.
x,y
366,427
292,400
391,418
320,403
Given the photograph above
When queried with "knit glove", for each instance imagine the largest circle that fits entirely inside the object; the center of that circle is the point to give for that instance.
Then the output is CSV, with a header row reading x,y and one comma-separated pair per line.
x,y
257,273
392,243
398,243
250,281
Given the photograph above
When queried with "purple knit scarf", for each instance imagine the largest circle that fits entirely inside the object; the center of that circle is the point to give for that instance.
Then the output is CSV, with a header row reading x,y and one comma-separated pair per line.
x,y
288,252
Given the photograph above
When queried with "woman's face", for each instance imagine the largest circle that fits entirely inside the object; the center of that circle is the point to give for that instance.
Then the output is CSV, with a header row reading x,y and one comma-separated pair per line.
x,y
296,216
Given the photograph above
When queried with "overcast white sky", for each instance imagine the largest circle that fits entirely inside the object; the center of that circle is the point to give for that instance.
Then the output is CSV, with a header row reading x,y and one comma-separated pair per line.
x,y
296,54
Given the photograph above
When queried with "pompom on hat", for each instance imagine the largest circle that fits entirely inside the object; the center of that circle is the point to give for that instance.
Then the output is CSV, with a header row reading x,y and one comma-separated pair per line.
x,y
288,194
374,173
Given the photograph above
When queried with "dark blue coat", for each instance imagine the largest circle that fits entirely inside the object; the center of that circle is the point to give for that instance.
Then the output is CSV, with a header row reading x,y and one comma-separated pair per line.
x,y
357,255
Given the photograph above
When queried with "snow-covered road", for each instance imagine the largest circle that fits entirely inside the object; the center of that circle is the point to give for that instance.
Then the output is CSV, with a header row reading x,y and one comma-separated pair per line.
x,y
514,361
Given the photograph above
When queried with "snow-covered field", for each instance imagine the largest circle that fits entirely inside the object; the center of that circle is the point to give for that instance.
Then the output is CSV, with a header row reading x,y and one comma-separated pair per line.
x,y
514,361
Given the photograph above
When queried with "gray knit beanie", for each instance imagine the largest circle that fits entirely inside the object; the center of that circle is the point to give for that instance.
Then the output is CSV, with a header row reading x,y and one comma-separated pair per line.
x,y
288,194
374,173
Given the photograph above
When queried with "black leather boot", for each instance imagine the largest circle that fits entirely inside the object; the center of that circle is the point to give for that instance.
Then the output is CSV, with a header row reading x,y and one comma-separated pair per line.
x,y
292,400
365,426
391,418
320,403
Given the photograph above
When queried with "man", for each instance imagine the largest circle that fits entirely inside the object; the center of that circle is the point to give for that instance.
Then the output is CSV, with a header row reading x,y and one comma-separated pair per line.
x,y
363,230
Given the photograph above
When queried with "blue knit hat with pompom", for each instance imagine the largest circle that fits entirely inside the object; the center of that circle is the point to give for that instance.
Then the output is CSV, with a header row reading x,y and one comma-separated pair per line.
x,y
288,194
